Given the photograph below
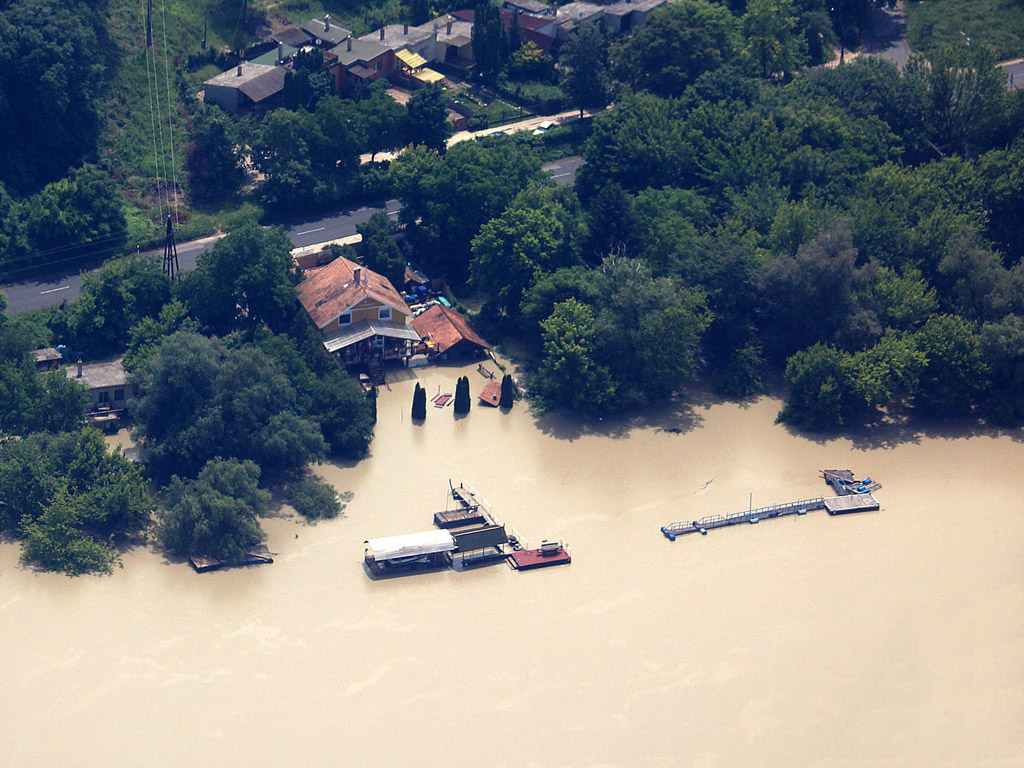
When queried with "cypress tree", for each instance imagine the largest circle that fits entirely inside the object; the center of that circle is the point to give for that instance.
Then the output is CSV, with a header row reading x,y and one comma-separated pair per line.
x,y
508,391
419,403
462,395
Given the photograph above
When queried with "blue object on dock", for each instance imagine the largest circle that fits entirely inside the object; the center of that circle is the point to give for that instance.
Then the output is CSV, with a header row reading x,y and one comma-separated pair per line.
x,y
671,536
703,531
754,520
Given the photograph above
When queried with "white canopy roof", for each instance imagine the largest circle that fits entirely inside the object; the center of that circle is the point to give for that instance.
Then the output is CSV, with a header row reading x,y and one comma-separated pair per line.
x,y
411,545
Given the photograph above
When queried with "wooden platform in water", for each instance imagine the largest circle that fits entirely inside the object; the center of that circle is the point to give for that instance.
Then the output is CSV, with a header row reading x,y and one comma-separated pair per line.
x,y
844,505
205,563
453,518
478,557
528,559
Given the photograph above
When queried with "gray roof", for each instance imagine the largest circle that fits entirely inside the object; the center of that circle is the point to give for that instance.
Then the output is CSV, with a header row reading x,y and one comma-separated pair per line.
x,y
47,355
292,36
257,81
530,6
362,50
364,329
270,57
330,33
570,15
100,375
396,36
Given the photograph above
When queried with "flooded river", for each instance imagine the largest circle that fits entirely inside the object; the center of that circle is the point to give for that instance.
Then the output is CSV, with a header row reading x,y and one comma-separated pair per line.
x,y
880,639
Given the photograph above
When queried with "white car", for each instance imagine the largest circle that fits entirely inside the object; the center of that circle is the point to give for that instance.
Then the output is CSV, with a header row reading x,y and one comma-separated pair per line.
x,y
543,127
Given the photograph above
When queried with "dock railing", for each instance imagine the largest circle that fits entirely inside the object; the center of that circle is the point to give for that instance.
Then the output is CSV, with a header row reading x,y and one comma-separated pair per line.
x,y
705,524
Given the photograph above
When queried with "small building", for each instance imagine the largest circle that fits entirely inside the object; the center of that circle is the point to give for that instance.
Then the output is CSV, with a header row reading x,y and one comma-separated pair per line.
x,y
46,359
572,16
360,314
109,390
295,37
358,61
528,6
245,87
448,333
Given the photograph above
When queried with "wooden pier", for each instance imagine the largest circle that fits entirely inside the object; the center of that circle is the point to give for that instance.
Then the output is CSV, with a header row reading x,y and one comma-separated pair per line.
x,y
453,518
205,563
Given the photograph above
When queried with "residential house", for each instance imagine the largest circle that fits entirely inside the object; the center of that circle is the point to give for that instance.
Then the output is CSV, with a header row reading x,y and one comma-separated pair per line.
x,y
296,37
448,333
245,87
360,314
454,40
420,40
572,16
109,390
358,61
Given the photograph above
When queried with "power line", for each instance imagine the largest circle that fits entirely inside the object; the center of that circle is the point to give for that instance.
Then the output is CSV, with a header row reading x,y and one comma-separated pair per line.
x,y
152,110
170,128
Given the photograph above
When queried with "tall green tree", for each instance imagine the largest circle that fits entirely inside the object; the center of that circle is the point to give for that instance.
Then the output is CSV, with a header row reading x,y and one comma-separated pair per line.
x,y
212,157
245,280
427,122
489,44
956,373
772,47
383,122
379,249
569,376
215,514
680,42
584,64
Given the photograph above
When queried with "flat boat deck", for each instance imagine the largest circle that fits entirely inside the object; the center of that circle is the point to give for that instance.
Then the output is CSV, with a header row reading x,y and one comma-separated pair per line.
x,y
528,559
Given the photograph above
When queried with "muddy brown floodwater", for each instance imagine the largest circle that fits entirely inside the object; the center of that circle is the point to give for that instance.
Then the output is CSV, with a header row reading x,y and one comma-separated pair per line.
x,y
879,639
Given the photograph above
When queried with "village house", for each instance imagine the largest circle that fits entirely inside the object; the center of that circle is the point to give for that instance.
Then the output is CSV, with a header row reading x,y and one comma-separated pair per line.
x,y
358,61
109,390
246,87
361,316
324,33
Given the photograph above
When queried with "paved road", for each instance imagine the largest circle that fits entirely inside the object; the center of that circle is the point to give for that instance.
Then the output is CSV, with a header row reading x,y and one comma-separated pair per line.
x,y
38,294
1014,72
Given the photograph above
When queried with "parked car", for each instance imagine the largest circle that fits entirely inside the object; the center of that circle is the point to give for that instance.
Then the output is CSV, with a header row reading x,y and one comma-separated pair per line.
x,y
543,127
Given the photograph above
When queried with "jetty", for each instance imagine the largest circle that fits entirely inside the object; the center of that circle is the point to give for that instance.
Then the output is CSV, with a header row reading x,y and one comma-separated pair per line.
x,y
546,554
856,496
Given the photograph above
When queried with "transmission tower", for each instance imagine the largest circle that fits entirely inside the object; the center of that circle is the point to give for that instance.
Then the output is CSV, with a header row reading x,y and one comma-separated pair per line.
x,y
170,253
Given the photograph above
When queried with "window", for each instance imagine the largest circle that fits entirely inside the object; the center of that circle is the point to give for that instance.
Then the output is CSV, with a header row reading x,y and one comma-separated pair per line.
x,y
384,313
104,397
345,319
119,394
376,66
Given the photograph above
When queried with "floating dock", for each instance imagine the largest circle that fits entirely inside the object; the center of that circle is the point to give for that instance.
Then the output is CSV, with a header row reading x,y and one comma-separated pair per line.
x,y
711,522
454,518
854,496
547,554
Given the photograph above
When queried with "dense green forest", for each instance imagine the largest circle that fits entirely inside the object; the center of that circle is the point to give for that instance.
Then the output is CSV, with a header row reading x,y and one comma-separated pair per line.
x,y
855,228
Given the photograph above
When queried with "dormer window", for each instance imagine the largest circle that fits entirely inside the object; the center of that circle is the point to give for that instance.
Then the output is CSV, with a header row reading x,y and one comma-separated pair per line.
x,y
345,319
384,313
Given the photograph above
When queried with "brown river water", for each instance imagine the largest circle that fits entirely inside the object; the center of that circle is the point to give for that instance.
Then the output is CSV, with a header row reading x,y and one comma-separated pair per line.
x,y
882,639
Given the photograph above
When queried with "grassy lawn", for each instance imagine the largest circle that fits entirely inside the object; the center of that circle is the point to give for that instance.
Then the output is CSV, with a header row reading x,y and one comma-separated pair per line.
x,y
996,23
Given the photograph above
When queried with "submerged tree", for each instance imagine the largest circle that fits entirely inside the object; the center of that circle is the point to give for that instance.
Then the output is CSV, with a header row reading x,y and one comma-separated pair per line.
x,y
462,395
419,403
508,391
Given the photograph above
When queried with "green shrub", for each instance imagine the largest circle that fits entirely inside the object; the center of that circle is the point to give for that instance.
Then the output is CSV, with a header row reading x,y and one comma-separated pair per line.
x,y
314,499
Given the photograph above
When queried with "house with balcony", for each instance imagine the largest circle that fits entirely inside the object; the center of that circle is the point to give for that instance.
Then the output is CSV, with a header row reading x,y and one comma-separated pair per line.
x,y
360,315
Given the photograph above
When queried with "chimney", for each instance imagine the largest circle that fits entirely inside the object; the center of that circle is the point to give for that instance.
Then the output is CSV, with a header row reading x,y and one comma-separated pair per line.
x,y
448,27
280,52
382,33
349,46
327,22
79,368
239,73
357,275
405,29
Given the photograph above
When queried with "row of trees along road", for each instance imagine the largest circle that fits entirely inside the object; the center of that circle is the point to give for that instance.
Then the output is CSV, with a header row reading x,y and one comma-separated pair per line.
x,y
854,228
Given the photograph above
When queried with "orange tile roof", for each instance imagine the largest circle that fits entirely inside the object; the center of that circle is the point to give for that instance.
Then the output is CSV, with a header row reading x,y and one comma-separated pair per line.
x,y
446,328
330,290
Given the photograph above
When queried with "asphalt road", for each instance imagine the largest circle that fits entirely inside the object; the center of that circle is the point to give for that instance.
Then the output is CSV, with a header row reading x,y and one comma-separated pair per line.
x,y
38,294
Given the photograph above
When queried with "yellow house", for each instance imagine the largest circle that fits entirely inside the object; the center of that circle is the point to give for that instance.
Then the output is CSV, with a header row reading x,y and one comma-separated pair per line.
x,y
360,314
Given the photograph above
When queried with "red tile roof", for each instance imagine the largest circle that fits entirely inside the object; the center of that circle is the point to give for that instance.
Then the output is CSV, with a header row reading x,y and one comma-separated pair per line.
x,y
330,290
446,328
